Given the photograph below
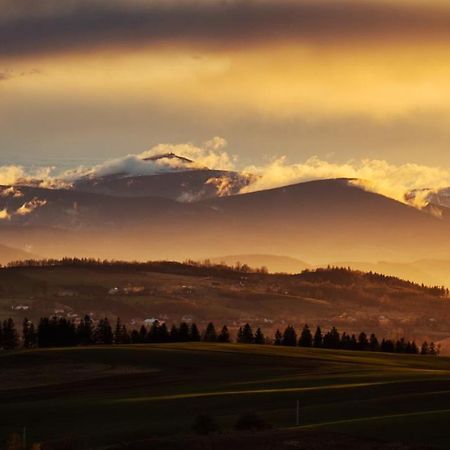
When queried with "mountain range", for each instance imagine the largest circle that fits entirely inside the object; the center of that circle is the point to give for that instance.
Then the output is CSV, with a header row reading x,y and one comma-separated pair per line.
x,y
193,213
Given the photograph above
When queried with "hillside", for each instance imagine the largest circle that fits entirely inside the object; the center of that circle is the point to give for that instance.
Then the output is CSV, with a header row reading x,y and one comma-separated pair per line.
x,y
318,221
134,395
185,186
352,301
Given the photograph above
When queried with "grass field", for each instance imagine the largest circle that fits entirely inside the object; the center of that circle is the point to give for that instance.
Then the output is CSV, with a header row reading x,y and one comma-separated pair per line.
x,y
126,393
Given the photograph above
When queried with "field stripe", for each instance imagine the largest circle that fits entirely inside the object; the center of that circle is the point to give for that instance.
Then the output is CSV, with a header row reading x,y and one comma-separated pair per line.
x,y
368,419
252,392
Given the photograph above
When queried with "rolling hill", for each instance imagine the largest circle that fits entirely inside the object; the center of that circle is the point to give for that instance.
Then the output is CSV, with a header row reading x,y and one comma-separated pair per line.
x,y
148,397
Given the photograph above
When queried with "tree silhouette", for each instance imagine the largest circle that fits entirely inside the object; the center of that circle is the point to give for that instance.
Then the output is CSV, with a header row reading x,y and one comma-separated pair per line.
x,y
318,338
278,337
118,332
28,334
289,337
85,331
210,333
332,339
224,335
363,342
10,339
306,338
103,333
373,343
246,336
194,333
173,335
183,332
259,337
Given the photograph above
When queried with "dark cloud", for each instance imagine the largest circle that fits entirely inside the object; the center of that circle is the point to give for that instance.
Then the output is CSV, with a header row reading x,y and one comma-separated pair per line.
x,y
82,25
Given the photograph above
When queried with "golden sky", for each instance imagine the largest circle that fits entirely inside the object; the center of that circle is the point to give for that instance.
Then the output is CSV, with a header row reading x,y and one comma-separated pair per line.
x,y
336,79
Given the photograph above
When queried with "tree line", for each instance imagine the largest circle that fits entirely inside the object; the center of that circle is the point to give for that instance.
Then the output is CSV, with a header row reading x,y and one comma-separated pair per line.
x,y
342,276
61,332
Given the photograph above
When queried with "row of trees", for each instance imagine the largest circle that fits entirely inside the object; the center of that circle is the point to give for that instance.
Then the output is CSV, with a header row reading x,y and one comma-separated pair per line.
x,y
61,332
334,340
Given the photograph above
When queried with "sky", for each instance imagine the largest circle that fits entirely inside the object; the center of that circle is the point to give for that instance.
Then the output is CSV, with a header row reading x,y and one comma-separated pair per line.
x,y
340,81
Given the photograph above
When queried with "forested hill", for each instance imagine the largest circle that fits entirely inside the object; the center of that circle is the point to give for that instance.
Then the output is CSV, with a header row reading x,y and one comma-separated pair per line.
x,y
340,276
173,292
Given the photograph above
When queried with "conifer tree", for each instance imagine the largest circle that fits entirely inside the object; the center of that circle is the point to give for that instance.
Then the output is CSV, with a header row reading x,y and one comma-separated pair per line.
x,y
135,337
143,334
27,331
224,335
9,335
210,334
306,338
103,332
173,335
194,333
363,342
183,332
346,342
259,337
289,337
247,334
125,335
85,331
118,332
373,343
332,339
154,334
278,337
318,338
425,349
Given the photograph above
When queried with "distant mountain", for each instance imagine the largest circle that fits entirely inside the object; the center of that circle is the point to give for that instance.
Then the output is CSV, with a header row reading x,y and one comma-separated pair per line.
x,y
185,186
273,263
329,220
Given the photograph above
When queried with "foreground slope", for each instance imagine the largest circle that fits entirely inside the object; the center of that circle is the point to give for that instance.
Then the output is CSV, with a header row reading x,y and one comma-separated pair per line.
x,y
106,395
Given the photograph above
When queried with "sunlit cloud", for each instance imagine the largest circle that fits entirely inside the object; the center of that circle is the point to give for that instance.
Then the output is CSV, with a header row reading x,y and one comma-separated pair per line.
x,y
4,214
408,183
29,207
390,180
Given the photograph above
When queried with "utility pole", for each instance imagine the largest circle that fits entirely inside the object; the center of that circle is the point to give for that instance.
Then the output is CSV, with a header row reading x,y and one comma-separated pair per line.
x,y
24,438
297,421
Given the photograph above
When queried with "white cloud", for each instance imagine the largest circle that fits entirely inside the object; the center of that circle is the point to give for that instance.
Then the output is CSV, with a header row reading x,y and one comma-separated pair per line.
x,y
409,183
29,207
394,181
4,214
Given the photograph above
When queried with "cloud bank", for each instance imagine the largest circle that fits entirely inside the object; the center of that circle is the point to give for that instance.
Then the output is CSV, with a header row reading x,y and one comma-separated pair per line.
x,y
390,180
51,26
409,183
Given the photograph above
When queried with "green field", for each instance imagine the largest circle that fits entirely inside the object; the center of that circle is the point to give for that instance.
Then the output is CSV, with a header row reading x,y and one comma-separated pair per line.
x,y
126,393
